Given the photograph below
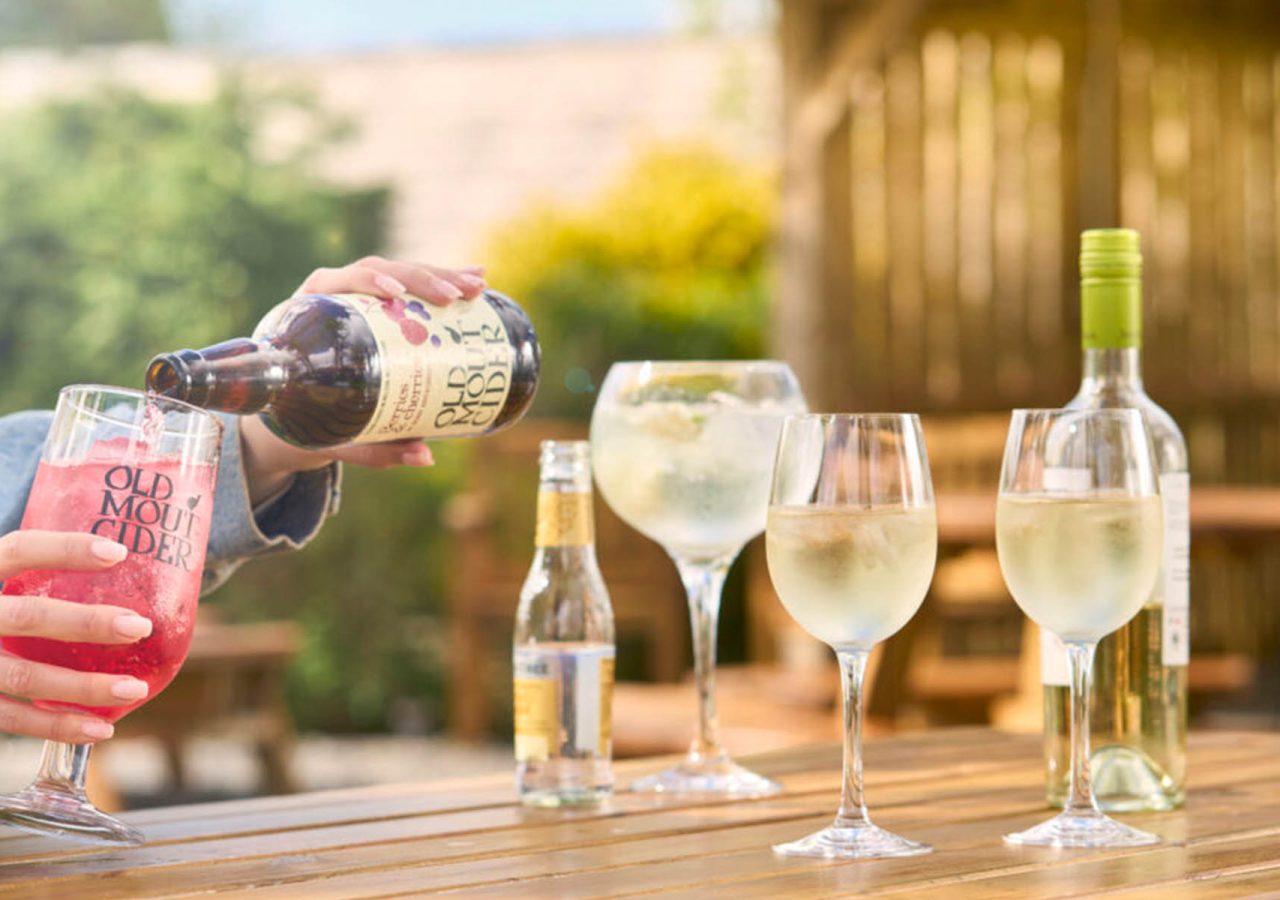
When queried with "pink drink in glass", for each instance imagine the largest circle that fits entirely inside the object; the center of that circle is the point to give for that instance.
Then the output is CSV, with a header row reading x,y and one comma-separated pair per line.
x,y
159,509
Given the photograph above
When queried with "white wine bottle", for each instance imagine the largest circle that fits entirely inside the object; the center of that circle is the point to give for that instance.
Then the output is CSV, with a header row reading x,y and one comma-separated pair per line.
x,y
564,645
1138,718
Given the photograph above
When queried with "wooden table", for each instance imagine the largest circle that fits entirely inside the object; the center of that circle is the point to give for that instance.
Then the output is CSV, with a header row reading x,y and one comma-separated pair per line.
x,y
959,790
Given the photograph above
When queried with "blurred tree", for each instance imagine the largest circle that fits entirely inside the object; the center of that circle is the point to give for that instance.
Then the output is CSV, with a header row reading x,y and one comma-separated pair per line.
x,y
71,23
128,227
669,262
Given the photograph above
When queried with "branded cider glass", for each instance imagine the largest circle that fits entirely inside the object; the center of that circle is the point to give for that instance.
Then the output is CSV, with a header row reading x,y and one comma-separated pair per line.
x,y
139,470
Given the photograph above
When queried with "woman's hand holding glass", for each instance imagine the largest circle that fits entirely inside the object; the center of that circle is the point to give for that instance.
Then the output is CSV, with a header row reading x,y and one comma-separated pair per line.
x,y
62,620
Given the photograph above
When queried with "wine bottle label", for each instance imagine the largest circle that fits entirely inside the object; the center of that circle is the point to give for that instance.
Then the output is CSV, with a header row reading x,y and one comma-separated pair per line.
x,y
1055,669
564,519
563,700
446,370
1054,666
1175,574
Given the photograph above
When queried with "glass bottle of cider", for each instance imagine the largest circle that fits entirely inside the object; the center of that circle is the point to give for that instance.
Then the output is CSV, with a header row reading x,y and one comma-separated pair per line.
x,y
563,652
328,369
1138,718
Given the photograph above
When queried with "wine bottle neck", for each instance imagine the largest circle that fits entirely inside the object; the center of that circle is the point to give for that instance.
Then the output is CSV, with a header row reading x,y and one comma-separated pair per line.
x,y
237,376
1112,367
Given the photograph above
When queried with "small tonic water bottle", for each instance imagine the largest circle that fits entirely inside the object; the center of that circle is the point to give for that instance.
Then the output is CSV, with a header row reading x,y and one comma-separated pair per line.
x,y
564,645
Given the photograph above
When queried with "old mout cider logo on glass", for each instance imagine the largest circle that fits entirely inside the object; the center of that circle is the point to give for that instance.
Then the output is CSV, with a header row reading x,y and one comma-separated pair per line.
x,y
446,370
139,510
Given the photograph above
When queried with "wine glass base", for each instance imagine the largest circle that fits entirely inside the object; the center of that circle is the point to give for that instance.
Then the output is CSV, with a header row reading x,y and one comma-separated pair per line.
x,y
852,842
65,815
1076,830
717,777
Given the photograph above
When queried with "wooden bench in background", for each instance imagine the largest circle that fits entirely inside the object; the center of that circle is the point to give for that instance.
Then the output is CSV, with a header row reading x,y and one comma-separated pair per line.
x,y
231,684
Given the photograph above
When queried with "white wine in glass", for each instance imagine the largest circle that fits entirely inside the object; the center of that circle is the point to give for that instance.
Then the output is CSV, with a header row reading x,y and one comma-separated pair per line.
x,y
1078,565
821,556
1079,533
852,541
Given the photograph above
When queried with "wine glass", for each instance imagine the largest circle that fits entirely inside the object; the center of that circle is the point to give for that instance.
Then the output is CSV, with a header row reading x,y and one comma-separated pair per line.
x,y
1079,532
683,451
139,470
852,541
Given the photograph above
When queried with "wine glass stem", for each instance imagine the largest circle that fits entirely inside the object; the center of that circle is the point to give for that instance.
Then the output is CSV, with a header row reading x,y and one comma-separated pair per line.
x,y
704,581
63,768
853,807
1080,797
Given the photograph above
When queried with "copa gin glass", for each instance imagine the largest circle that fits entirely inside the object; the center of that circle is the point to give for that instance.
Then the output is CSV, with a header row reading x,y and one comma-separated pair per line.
x,y
683,452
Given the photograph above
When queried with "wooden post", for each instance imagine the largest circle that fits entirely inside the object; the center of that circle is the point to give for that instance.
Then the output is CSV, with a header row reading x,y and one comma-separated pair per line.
x,y
823,46
1099,202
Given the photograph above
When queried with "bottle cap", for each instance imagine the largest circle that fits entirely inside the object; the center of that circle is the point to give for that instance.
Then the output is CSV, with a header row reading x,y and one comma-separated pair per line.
x,y
1110,253
1110,288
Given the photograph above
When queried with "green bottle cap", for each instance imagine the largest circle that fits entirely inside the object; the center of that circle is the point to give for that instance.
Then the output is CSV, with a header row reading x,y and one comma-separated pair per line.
x,y
1110,288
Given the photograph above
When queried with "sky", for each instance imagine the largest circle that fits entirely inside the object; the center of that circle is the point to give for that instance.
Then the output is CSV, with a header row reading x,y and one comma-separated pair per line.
x,y
309,26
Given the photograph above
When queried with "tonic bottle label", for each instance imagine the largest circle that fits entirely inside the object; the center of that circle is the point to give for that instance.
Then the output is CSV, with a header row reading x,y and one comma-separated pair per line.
x,y
606,702
563,700
564,519
446,370
536,725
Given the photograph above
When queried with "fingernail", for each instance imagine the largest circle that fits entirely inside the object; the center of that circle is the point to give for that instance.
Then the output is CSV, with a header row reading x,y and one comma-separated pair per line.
x,y
449,290
129,689
108,551
388,284
418,457
98,731
474,285
131,626
473,270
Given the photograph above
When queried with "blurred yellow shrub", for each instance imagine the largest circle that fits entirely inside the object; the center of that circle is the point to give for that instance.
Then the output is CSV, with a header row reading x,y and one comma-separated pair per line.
x,y
667,262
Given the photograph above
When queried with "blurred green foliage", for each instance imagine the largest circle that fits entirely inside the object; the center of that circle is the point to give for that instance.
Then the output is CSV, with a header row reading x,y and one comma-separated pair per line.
x,y
368,595
71,23
128,227
669,262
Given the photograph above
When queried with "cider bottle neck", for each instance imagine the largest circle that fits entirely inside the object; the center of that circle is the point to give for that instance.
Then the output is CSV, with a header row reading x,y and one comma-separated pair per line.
x,y
236,376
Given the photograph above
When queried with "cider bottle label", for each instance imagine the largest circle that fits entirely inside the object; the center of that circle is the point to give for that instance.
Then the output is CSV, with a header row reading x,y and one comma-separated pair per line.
x,y
446,370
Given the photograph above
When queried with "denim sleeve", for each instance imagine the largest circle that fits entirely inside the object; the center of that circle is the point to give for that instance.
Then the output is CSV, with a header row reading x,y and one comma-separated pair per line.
x,y
21,442
238,531
288,522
